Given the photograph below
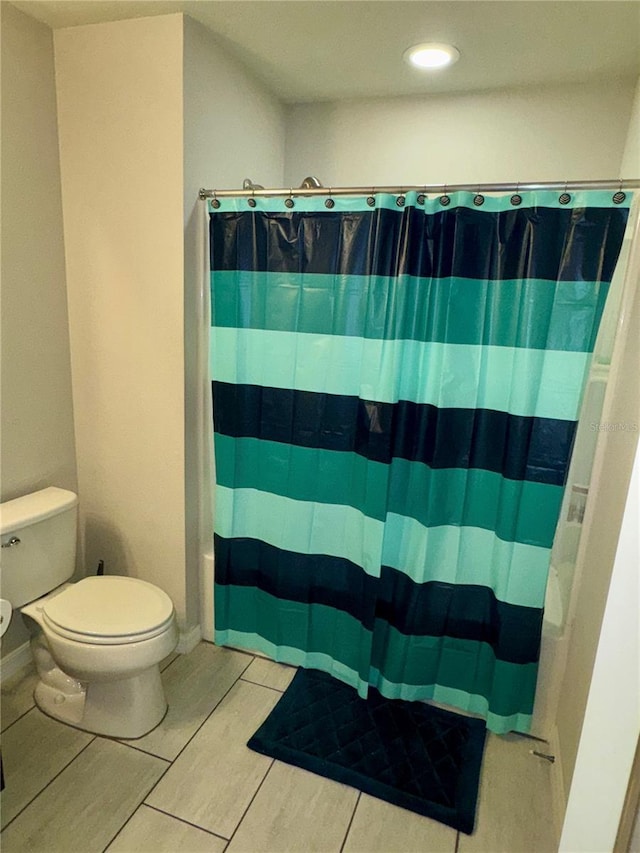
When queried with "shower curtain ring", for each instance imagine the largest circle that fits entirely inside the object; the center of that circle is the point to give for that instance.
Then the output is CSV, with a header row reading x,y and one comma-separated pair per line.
x,y
371,200
478,198
620,196
252,201
516,198
216,202
444,198
330,202
565,198
289,201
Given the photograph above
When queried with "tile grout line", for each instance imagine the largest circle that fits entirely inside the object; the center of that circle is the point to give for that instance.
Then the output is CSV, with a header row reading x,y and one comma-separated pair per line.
x,y
257,684
42,790
141,750
457,841
23,714
353,814
188,822
17,719
251,801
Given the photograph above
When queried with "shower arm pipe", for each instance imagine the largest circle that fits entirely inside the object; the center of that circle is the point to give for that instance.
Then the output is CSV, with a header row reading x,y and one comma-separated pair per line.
x,y
563,186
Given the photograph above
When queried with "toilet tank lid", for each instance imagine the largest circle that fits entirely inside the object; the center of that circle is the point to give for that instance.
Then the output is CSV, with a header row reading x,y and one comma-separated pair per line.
x,y
29,509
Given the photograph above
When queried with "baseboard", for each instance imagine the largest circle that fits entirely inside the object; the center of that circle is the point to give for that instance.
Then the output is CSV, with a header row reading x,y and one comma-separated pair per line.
x,y
559,801
188,640
14,661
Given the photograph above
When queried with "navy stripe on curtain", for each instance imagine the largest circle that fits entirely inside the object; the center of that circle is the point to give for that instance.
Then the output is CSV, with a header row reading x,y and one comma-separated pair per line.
x,y
521,448
525,242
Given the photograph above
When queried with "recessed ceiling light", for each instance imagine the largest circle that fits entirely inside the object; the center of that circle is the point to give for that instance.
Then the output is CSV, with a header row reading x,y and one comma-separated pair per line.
x,y
431,55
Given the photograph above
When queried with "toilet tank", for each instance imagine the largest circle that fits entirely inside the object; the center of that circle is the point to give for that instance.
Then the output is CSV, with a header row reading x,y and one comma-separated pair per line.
x,y
44,524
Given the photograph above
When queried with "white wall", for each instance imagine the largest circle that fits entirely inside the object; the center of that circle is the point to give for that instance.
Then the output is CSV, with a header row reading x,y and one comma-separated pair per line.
x,y
568,132
233,129
121,145
37,414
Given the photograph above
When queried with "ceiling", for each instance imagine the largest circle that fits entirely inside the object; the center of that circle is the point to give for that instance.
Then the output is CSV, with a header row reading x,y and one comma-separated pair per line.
x,y
310,50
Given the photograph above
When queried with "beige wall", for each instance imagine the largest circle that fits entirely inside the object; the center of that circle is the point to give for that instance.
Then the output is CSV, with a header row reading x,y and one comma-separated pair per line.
x,y
120,119
568,132
233,129
37,416
150,110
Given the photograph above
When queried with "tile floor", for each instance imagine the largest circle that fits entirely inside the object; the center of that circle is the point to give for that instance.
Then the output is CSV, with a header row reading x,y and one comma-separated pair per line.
x,y
192,785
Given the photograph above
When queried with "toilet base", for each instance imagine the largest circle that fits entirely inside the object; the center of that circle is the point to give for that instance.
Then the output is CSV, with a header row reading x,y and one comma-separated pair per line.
x,y
127,708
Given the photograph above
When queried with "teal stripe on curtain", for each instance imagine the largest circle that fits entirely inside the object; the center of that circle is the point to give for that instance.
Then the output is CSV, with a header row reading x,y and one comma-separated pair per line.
x,y
396,387
283,469
310,629
517,573
414,667
448,553
303,526
518,510
405,308
530,382
473,703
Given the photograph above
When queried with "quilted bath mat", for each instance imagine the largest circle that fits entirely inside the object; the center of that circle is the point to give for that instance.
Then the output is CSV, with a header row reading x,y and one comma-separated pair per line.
x,y
408,753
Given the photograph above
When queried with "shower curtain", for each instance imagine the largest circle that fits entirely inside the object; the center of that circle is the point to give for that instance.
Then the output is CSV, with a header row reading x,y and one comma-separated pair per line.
x,y
396,384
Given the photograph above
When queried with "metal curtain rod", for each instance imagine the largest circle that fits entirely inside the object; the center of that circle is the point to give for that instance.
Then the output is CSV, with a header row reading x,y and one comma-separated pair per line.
x,y
628,184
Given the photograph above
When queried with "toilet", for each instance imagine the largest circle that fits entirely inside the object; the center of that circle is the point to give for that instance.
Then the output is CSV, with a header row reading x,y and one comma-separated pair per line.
x,y
97,643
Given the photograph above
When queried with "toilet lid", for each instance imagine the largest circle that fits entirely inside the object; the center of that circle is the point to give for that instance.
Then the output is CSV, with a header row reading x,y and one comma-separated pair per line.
x,y
109,606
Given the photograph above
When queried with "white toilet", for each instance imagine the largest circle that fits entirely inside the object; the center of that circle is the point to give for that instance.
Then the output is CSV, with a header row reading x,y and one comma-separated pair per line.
x,y
98,642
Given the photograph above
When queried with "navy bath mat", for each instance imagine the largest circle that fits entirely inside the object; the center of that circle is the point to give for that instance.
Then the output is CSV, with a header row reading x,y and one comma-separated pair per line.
x,y
408,753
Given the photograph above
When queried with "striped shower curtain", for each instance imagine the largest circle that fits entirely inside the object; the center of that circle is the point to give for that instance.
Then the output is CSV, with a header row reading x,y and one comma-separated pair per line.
x,y
396,383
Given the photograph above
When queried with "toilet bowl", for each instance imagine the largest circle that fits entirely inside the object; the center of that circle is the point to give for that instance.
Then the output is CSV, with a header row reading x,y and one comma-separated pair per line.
x,y
97,648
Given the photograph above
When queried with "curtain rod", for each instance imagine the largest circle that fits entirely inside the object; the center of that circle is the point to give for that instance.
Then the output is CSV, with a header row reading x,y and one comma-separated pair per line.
x,y
613,184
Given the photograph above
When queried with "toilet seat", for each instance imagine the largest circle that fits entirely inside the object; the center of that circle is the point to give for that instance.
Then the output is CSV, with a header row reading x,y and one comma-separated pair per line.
x,y
109,610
